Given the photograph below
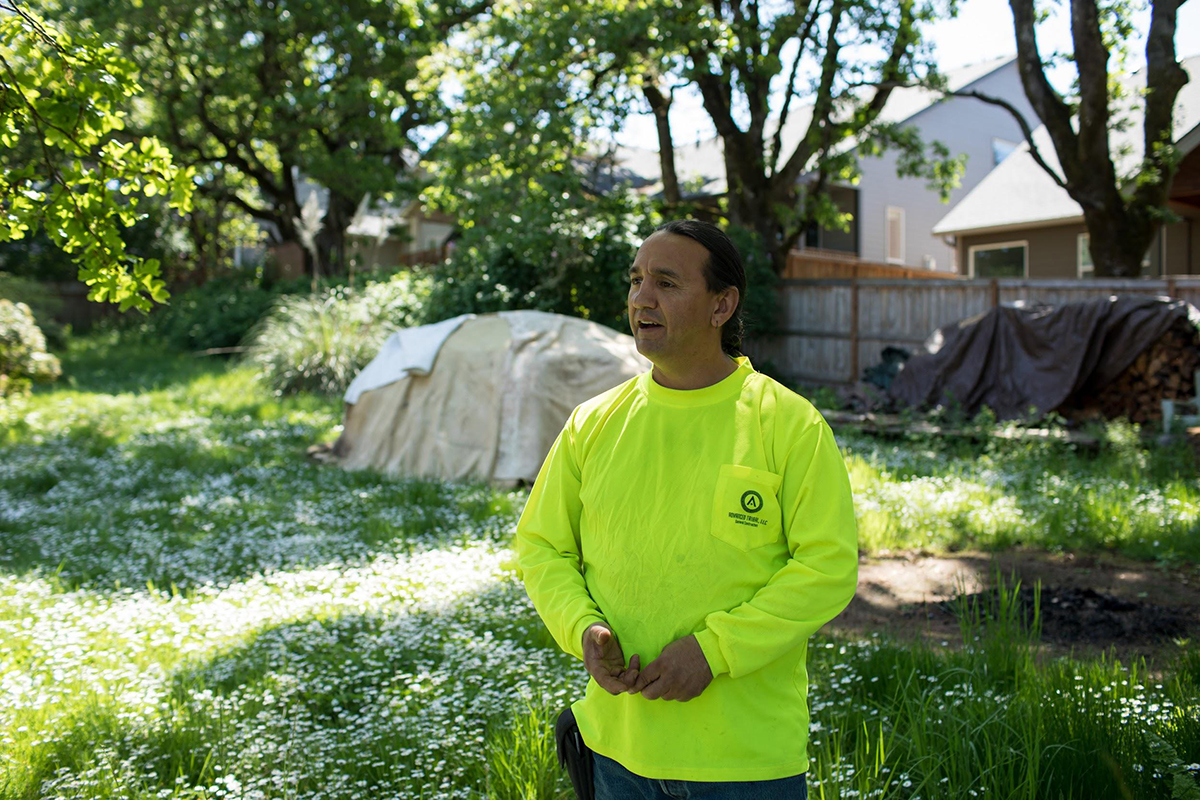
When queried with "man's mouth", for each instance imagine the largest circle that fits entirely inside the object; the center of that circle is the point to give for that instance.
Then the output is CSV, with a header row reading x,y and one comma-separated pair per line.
x,y
646,325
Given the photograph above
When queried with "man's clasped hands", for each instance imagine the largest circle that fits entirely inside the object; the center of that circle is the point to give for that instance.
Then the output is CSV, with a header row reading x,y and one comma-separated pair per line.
x,y
680,672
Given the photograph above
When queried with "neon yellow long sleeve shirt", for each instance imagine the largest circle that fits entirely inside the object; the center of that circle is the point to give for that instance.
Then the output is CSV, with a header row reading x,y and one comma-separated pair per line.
x,y
723,512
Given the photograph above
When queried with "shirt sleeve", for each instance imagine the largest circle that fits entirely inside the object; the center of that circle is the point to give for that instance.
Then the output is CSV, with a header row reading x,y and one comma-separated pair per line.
x,y
549,553
819,579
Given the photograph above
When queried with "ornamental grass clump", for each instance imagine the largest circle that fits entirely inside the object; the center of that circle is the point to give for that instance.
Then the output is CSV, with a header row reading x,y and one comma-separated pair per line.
x,y
23,356
318,343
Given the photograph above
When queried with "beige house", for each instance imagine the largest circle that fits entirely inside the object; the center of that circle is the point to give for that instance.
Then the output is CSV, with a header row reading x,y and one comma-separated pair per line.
x,y
1018,222
380,235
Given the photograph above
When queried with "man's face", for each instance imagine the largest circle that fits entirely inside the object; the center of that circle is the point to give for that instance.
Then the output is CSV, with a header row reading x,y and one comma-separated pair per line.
x,y
667,287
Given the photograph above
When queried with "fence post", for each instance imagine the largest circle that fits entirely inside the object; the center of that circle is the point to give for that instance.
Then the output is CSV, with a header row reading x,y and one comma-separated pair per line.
x,y
1171,288
853,330
995,291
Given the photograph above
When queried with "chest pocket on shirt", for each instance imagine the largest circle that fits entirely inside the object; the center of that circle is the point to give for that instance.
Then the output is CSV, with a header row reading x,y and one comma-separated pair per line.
x,y
746,511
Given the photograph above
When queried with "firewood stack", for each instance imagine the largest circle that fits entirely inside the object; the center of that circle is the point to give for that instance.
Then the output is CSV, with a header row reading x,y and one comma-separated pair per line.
x,y
1164,371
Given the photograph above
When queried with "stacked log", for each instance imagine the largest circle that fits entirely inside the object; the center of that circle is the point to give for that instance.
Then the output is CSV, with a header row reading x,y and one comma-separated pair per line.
x,y
1164,371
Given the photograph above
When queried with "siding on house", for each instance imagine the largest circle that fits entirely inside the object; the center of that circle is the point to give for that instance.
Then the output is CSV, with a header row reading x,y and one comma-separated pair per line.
x,y
964,125
372,255
1052,250
428,234
1183,247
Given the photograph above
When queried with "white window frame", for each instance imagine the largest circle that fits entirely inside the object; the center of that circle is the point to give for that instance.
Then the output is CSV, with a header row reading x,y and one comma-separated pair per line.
x,y
1080,241
1024,243
887,235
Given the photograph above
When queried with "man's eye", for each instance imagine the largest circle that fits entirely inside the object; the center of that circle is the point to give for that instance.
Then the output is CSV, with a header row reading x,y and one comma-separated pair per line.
x,y
634,280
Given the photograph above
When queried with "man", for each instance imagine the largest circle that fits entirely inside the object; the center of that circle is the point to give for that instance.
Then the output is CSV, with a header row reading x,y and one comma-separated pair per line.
x,y
698,520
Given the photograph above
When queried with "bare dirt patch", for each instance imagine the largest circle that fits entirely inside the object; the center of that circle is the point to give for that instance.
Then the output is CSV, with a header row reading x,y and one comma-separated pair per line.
x,y
1089,603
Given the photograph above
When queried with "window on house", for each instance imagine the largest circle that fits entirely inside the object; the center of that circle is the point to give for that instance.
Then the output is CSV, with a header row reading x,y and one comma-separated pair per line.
x,y
1084,258
1000,260
1002,149
895,235
812,236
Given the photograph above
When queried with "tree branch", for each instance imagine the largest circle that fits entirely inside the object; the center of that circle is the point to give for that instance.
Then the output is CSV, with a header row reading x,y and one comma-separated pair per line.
x,y
1091,62
822,108
264,178
777,141
1026,130
1049,107
661,106
1164,73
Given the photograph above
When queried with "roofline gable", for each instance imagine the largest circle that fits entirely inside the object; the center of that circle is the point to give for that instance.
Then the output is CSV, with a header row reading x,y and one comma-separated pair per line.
x,y
989,73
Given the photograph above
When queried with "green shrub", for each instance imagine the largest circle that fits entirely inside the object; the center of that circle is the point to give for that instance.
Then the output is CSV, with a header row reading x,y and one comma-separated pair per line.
x,y
218,313
580,275
824,397
43,304
222,311
487,277
760,307
319,342
23,356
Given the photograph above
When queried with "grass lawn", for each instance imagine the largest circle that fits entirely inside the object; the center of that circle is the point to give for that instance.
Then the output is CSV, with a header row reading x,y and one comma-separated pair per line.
x,y
191,609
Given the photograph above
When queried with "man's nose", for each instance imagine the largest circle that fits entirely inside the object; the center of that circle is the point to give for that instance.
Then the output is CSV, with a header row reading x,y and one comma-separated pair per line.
x,y
643,297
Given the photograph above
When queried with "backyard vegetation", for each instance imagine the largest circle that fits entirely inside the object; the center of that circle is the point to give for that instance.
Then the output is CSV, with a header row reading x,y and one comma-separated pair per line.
x,y
189,608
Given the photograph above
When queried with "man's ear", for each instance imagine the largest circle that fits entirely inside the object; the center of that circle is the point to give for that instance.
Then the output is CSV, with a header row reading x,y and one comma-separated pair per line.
x,y
727,302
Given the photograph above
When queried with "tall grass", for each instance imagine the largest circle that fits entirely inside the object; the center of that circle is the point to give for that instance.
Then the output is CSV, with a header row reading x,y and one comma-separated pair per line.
x,y
522,760
985,720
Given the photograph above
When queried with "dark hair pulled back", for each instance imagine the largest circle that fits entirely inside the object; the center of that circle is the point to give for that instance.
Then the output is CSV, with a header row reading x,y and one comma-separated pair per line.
x,y
724,268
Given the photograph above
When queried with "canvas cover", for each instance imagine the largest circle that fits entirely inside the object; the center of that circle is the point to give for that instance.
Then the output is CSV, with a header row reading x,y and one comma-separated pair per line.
x,y
1016,356
500,389
407,351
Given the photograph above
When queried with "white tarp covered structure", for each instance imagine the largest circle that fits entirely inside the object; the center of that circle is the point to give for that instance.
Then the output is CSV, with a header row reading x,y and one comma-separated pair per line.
x,y
478,396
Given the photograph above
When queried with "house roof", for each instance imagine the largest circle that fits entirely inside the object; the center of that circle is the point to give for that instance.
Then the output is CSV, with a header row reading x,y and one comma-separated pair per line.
x,y
702,164
1019,194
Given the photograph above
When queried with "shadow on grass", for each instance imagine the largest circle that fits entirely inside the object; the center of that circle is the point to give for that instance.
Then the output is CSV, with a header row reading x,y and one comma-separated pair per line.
x,y
177,528
391,705
107,363
198,476
304,707
229,496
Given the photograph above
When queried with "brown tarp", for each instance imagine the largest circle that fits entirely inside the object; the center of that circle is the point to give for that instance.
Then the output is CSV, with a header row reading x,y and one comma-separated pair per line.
x,y
1014,357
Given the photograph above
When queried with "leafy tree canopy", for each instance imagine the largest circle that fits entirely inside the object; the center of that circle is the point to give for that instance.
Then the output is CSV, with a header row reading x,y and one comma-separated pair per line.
x,y
540,78
62,165
254,95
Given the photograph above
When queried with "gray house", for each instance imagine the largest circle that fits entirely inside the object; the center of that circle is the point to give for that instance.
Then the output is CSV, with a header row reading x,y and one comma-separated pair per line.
x,y
1018,222
892,216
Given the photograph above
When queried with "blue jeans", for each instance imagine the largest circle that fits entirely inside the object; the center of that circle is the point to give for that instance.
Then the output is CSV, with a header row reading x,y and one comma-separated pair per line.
x,y
614,782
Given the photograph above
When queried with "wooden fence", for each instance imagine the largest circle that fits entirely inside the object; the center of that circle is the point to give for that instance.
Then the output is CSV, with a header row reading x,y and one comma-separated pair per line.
x,y
832,329
75,309
434,255
813,263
